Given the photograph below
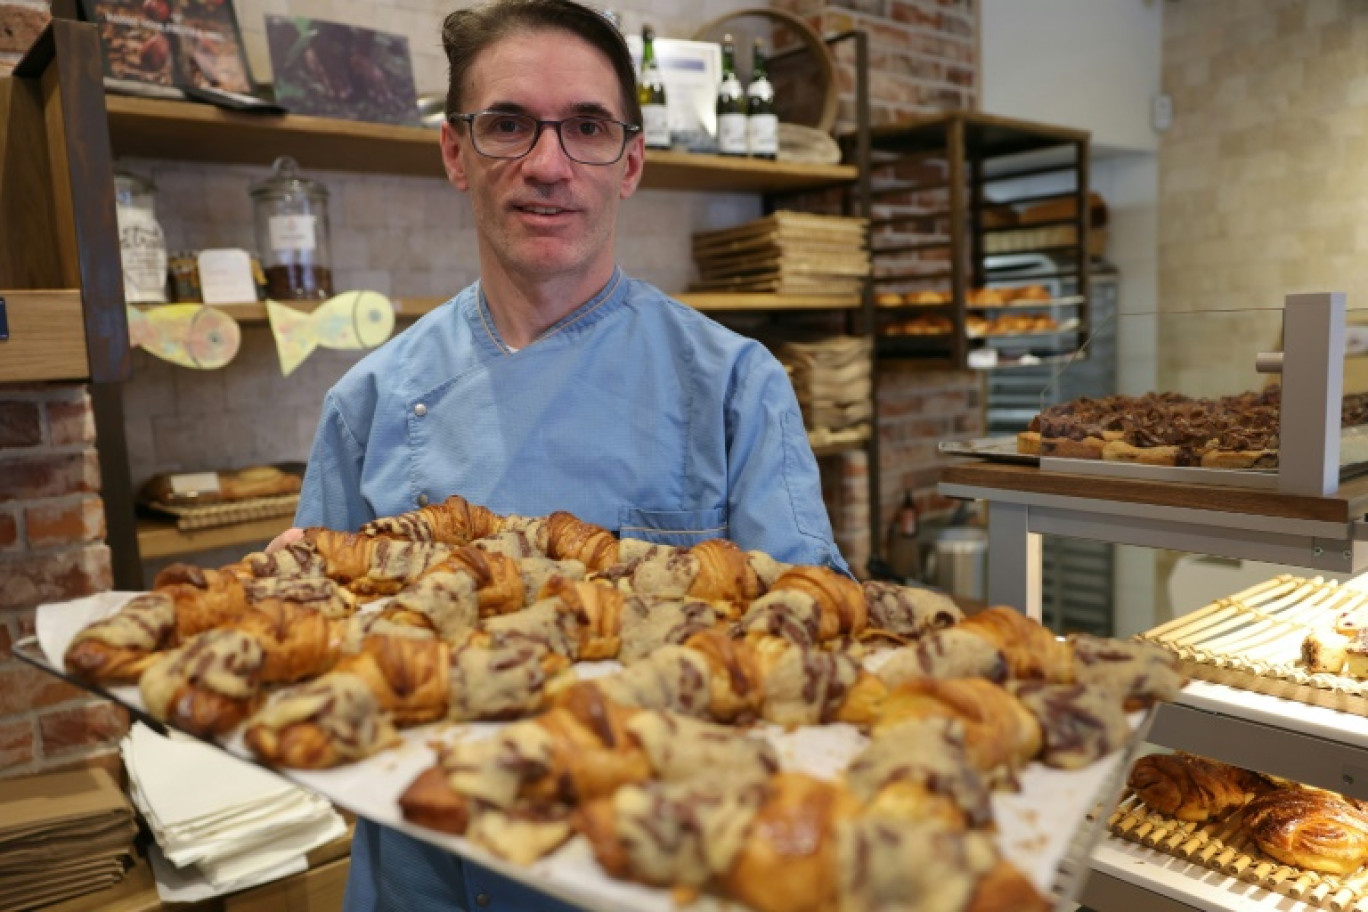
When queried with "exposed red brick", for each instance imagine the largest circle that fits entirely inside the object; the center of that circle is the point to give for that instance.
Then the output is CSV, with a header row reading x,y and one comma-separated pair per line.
x,y
16,743
65,523
49,475
32,580
24,688
81,726
9,531
7,639
71,422
20,425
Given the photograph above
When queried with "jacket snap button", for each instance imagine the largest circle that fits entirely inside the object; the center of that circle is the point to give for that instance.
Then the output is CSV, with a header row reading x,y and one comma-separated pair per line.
x,y
482,899
420,410
422,500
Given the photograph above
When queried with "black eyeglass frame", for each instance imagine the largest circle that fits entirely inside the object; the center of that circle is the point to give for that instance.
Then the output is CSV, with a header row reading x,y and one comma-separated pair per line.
x,y
628,131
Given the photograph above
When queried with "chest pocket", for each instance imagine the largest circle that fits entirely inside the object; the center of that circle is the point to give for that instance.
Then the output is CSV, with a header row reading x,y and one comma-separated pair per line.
x,y
682,528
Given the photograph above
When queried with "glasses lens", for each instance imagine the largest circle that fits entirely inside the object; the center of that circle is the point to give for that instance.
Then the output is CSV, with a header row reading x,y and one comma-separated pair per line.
x,y
503,135
591,140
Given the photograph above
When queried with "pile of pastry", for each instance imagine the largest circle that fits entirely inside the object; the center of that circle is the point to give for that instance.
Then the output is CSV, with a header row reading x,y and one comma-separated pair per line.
x,y
1309,828
478,616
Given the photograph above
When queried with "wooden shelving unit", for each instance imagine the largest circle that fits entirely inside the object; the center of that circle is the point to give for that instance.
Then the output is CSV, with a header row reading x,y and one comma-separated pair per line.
x,y
159,538
158,128
412,308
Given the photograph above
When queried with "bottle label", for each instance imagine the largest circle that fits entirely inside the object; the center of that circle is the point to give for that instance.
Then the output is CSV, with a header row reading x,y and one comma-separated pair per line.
x,y
142,254
656,126
731,134
763,134
292,232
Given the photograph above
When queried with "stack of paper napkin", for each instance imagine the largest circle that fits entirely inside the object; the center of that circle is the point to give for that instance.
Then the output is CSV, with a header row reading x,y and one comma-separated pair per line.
x,y
62,835
831,377
223,823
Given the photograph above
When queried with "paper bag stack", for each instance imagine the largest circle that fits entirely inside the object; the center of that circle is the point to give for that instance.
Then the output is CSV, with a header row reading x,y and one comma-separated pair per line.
x,y
831,378
62,835
221,824
785,252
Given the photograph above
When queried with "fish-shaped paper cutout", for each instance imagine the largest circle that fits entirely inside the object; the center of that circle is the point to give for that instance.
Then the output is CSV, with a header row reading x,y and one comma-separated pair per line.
x,y
191,335
351,320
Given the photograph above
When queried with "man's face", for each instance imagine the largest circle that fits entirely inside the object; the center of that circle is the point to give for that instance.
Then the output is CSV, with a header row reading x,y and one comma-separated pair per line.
x,y
543,215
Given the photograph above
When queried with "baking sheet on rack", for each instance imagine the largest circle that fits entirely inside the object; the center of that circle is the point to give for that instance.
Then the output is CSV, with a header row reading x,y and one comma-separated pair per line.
x,y
1035,825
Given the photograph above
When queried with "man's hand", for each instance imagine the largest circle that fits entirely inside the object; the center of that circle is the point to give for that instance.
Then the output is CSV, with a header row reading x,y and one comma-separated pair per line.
x,y
288,537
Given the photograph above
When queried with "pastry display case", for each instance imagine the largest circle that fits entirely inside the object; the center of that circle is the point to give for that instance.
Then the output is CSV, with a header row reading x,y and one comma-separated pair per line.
x,y
1288,384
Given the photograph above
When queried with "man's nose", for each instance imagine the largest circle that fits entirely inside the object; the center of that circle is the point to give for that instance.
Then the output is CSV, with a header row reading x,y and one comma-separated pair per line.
x,y
547,160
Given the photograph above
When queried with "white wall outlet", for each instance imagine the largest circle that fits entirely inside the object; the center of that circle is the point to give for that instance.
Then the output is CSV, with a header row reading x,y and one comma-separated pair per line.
x,y
1162,113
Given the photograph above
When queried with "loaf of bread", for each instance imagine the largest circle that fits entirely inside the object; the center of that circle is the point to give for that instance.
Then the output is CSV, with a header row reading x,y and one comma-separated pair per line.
x,y
189,488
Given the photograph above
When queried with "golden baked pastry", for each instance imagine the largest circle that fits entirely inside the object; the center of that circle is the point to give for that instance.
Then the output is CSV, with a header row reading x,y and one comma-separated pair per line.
x,y
1310,829
1193,788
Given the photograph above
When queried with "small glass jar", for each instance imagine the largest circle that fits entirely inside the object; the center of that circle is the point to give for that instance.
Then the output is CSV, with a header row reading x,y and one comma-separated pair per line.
x,y
142,246
291,216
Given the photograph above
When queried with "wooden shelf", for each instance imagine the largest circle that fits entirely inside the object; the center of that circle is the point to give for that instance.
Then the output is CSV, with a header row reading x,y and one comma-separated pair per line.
x,y
724,301
404,309
159,538
159,128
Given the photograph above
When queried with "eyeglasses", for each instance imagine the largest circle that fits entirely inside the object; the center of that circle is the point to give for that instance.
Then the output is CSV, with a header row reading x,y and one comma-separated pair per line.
x,y
587,140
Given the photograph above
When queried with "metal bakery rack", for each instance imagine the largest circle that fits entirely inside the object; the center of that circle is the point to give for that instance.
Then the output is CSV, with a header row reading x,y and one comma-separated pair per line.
x,y
1302,515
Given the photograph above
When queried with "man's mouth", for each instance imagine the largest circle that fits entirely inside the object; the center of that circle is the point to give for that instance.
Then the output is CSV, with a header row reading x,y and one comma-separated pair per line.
x,y
542,210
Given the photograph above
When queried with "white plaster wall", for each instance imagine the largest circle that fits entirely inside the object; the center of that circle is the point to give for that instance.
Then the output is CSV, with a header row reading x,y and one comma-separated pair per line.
x,y
1090,64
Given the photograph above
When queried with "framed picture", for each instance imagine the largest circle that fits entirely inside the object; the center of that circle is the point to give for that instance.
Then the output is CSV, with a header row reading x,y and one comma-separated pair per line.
x,y
692,71
333,70
151,45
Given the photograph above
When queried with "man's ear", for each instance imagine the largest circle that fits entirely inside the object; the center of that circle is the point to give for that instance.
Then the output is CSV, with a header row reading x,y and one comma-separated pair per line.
x,y
636,162
453,139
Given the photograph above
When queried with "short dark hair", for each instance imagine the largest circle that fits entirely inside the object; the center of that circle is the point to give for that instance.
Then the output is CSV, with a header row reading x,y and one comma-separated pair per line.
x,y
466,32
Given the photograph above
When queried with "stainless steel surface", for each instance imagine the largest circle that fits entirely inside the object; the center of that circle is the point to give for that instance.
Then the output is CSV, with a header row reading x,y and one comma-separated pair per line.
x,y
1014,578
961,561
994,449
1268,362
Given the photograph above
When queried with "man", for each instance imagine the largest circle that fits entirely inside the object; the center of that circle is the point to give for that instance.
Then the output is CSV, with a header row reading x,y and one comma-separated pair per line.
x,y
555,382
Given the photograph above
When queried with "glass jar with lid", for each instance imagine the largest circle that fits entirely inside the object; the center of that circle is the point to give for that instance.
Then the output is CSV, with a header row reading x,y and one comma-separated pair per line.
x,y
142,246
291,217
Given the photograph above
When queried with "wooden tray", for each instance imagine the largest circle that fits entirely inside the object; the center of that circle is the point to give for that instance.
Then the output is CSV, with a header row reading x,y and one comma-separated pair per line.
x,y
1252,640
213,516
1224,847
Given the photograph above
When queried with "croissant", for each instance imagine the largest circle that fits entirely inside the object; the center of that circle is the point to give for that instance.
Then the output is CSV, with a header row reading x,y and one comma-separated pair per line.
x,y
518,536
1031,650
808,605
408,677
1309,829
454,521
117,649
318,593
442,600
725,574
208,685
1139,673
497,578
570,538
299,559
1079,725
929,752
951,652
1001,735
204,599
739,680
372,566
319,724
1192,788
509,679
908,611
296,642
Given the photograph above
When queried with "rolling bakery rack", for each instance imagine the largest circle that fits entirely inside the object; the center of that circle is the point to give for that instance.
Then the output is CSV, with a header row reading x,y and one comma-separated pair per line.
x,y
1301,516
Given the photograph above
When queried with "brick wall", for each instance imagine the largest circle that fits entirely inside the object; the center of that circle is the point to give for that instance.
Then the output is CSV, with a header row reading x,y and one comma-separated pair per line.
x,y
51,548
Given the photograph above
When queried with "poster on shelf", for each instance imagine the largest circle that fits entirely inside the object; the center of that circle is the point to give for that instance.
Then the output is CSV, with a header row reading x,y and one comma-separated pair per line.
x,y
164,47
691,71
328,69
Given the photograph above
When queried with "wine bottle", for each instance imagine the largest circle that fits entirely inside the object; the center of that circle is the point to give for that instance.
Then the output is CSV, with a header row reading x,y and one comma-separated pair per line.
x,y
655,117
731,105
762,124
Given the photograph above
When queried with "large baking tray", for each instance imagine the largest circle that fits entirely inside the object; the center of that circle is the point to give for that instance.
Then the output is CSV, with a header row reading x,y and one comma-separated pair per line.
x,y
993,449
1046,829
